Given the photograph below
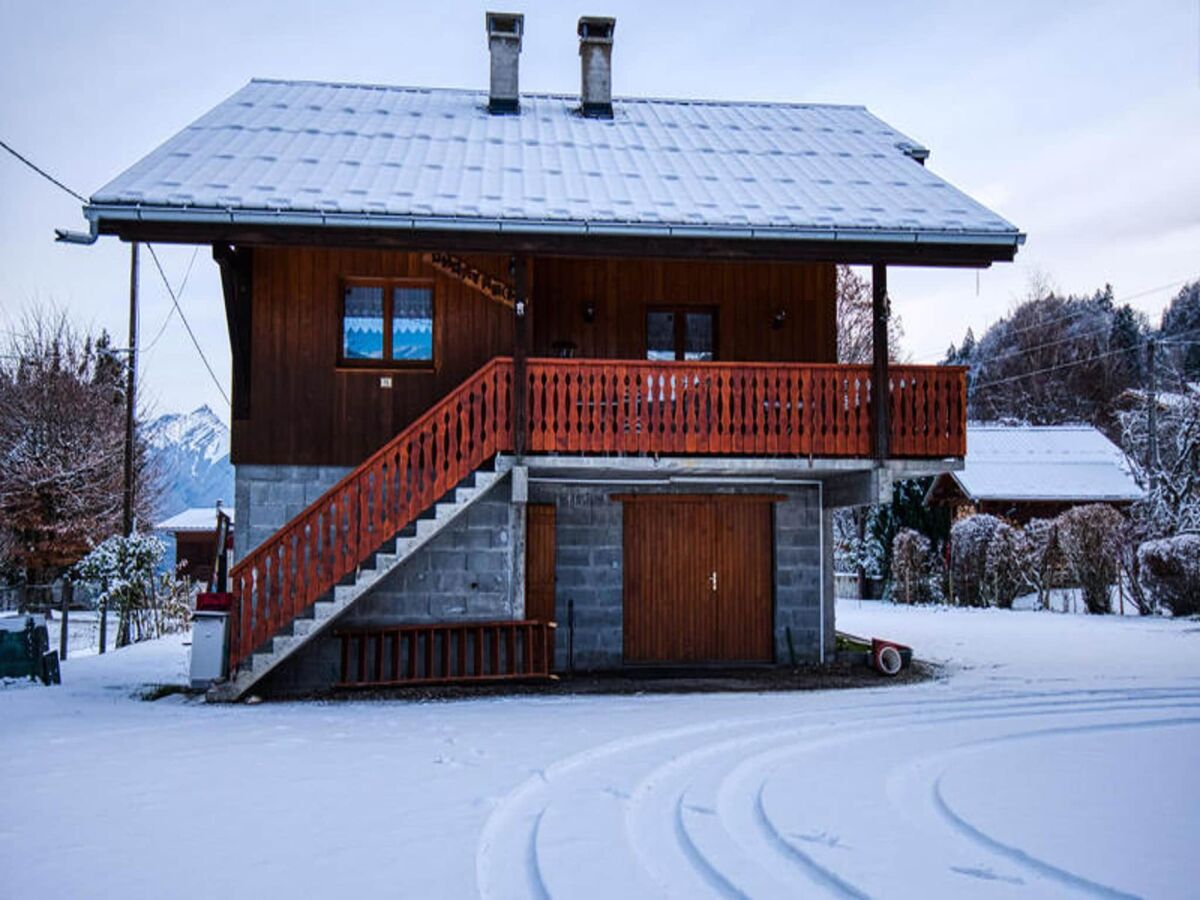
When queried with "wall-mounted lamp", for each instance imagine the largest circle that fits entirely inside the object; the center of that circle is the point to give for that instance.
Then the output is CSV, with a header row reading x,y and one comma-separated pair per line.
x,y
589,311
778,320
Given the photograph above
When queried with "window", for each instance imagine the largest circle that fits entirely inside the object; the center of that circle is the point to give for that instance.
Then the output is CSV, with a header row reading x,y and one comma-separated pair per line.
x,y
387,322
684,333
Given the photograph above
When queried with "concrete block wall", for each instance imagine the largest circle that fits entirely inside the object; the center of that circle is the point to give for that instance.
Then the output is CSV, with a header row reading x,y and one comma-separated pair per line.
x,y
463,573
803,533
271,496
588,571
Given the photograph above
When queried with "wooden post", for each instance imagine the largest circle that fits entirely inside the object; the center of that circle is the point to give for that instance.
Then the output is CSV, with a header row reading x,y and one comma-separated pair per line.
x,y
520,424
68,594
880,390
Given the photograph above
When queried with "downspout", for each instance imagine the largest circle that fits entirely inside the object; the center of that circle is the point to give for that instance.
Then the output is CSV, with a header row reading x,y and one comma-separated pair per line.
x,y
63,236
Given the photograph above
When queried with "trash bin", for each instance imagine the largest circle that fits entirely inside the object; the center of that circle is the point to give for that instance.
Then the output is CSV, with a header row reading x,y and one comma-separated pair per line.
x,y
208,638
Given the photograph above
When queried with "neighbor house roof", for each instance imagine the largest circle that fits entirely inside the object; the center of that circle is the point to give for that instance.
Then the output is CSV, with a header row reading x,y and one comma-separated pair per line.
x,y
198,518
1058,463
314,153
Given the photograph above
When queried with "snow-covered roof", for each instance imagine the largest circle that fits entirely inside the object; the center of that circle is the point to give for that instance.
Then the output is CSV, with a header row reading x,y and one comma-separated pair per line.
x,y
316,153
198,518
1050,462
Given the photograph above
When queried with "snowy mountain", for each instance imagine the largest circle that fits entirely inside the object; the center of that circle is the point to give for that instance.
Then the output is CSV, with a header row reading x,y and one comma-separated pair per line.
x,y
192,453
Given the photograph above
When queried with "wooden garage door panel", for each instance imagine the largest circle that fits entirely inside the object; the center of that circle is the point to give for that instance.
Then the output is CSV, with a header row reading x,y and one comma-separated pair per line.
x,y
668,604
673,547
744,580
540,553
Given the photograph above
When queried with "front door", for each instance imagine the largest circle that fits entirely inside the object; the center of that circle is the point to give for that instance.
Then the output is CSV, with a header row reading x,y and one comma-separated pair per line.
x,y
697,579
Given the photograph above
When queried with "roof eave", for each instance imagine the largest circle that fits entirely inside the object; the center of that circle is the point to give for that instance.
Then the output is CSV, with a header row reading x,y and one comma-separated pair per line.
x,y
175,223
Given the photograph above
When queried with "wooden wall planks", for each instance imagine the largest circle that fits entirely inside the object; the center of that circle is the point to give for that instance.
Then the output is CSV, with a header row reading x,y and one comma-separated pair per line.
x,y
307,411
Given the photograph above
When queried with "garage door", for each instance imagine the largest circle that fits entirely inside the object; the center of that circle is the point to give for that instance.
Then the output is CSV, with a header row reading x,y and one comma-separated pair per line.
x,y
697,578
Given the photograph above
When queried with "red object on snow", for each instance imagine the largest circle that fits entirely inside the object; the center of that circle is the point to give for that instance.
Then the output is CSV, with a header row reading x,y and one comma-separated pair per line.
x,y
887,656
214,601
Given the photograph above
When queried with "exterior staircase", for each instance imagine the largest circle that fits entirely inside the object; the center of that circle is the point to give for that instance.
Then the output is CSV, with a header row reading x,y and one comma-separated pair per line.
x,y
374,569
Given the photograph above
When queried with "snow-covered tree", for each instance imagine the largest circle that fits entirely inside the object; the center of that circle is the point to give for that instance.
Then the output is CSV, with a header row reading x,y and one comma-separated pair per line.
x,y
969,540
1045,558
1170,476
1090,538
1170,572
123,568
1181,331
910,567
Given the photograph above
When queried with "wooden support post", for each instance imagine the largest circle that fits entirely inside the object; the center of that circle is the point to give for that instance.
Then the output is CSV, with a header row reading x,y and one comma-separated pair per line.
x,y
880,389
236,284
520,352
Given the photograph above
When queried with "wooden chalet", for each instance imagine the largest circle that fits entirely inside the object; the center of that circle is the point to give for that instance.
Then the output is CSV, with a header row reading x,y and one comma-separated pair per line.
x,y
525,383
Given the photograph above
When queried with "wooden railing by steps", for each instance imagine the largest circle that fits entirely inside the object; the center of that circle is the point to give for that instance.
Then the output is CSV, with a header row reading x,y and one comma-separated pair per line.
x,y
445,652
585,407
287,573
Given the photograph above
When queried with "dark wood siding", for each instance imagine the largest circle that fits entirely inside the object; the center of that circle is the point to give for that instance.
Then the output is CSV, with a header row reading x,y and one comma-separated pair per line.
x,y
306,410
746,296
539,561
697,579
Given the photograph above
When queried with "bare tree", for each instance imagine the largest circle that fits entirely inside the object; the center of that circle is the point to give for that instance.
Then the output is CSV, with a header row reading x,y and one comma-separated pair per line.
x,y
854,320
61,439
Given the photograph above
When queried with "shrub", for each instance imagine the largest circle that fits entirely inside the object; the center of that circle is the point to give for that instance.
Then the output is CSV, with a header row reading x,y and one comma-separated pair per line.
x,y
969,539
1090,538
1007,565
1170,571
910,567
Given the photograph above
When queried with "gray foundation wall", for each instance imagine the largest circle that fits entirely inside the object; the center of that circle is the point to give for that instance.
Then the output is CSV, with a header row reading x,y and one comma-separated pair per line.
x,y
468,571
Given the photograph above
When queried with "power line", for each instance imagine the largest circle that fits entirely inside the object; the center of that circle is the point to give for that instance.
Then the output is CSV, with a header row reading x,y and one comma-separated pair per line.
x,y
171,312
1067,365
1081,312
183,318
158,265
78,196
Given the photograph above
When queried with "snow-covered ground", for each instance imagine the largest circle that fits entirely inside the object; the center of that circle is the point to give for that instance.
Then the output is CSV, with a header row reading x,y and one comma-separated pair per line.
x,y
1058,755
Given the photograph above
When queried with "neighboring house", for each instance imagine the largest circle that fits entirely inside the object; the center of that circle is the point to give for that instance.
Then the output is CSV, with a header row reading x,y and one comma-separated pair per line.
x,y
1023,472
195,534
504,359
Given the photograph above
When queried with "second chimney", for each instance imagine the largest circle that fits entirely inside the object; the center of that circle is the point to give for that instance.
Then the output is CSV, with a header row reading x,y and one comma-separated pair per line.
x,y
504,43
595,61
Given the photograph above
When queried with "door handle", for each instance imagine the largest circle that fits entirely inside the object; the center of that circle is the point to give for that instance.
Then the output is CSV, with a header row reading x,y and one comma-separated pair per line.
x,y
712,579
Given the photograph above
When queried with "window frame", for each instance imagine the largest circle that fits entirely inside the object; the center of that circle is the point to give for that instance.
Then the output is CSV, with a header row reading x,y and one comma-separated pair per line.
x,y
389,285
681,311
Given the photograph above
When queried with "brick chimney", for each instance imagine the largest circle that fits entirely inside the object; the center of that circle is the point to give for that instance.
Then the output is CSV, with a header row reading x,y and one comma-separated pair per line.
x,y
504,32
595,61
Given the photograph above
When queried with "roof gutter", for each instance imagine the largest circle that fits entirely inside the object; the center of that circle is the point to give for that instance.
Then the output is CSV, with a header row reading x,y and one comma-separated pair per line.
x,y
97,212
63,236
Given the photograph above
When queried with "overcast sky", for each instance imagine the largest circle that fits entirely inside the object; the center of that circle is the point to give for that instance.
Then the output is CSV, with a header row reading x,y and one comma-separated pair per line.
x,y
1078,121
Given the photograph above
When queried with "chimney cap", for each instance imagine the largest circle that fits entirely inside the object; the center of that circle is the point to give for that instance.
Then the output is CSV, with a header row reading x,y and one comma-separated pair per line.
x,y
505,25
596,29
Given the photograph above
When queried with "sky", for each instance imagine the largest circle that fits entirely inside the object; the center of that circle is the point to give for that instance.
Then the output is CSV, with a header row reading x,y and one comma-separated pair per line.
x,y
1077,121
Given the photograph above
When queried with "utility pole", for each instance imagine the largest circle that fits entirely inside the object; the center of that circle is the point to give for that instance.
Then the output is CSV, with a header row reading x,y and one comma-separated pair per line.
x,y
1152,416
130,387
130,406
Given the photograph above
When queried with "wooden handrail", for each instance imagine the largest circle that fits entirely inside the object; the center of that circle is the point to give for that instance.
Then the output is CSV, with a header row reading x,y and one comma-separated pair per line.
x,y
590,406
288,572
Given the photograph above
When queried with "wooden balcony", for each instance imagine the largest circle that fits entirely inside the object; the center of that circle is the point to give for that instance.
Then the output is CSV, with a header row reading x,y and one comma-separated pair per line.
x,y
739,409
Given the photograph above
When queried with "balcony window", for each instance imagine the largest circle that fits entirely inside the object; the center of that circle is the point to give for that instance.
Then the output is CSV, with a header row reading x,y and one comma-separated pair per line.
x,y
387,322
681,334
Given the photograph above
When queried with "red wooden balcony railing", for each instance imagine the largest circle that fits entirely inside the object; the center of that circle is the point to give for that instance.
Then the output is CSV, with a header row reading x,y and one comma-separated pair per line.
x,y
445,652
593,407
286,574
743,409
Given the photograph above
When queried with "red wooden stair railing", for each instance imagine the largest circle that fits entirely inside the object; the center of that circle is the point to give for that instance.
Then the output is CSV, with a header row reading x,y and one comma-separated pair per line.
x,y
594,407
287,573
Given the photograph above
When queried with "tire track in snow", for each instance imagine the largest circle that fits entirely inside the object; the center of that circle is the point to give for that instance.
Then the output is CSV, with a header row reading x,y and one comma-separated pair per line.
x,y
1016,854
659,804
